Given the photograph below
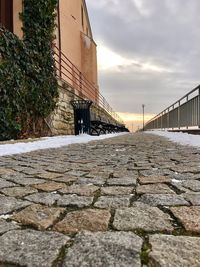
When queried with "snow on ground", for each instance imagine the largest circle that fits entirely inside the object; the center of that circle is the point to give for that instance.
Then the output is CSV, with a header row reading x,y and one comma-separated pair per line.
x,y
49,142
180,138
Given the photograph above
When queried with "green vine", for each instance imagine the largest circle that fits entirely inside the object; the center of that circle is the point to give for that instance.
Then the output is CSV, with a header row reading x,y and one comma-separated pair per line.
x,y
28,85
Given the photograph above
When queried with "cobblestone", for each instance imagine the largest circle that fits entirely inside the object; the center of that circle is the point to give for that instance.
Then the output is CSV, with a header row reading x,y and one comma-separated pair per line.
x,y
74,200
116,190
189,217
39,216
91,219
7,226
105,249
10,204
31,248
137,183
83,190
113,202
174,251
163,200
142,217
18,191
154,189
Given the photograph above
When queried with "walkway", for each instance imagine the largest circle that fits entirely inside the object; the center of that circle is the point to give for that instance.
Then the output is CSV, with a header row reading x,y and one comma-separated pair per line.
x,y
137,198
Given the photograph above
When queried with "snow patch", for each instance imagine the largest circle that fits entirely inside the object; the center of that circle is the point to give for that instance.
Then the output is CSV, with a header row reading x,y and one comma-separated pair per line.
x,y
50,142
180,138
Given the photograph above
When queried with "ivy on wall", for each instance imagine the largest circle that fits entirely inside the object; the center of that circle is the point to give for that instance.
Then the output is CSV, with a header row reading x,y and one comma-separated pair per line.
x,y
28,85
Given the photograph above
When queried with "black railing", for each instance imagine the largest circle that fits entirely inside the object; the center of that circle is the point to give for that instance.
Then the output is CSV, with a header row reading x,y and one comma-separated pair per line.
x,y
70,74
184,113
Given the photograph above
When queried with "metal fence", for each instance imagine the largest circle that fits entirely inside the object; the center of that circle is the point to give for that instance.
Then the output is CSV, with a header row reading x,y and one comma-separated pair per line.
x,y
70,74
183,113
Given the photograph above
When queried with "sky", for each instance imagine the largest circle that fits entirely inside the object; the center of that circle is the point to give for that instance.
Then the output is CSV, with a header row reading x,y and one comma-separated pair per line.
x,y
148,53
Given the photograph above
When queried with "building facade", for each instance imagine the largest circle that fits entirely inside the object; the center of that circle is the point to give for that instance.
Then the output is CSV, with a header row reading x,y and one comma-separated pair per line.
x,y
75,49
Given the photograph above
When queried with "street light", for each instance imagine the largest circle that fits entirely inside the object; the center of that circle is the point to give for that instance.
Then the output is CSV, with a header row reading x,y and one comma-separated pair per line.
x,y
143,114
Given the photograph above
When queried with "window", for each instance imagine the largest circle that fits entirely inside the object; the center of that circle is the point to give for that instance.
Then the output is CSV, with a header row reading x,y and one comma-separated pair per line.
x,y
6,14
82,16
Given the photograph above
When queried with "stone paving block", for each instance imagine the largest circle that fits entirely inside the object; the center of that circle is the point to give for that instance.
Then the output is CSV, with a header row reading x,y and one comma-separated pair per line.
x,y
142,217
31,248
179,187
98,175
74,200
10,204
18,191
5,171
43,198
124,173
57,169
4,183
154,189
163,200
186,169
185,176
92,181
189,217
49,186
116,190
90,219
156,172
77,173
104,249
112,202
7,226
24,180
193,198
83,190
38,216
174,251
122,181
193,185
66,179
49,175
153,179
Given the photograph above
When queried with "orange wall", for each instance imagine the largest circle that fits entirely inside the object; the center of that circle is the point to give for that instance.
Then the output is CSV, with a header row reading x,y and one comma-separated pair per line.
x,y
17,23
72,42
76,39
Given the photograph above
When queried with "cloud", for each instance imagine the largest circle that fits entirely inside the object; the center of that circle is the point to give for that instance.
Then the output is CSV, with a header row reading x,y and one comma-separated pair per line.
x,y
156,47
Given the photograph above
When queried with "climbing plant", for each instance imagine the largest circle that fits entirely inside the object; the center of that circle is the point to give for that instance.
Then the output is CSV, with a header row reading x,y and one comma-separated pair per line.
x,y
39,23
28,85
14,57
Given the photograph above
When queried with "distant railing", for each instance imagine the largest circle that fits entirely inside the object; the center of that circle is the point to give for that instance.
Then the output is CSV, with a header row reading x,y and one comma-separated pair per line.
x,y
70,74
184,113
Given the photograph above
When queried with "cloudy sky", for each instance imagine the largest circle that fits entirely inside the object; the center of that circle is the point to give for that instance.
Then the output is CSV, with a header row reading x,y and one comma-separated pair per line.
x,y
148,52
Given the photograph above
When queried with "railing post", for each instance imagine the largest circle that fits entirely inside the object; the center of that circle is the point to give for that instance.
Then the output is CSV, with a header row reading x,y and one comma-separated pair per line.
x,y
168,118
80,82
179,114
198,108
187,98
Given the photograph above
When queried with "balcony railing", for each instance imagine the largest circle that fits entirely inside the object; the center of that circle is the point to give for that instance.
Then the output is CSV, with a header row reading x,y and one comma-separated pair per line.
x,y
184,113
70,74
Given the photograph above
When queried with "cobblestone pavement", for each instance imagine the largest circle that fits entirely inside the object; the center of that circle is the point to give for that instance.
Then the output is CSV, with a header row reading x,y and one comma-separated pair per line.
x,y
132,200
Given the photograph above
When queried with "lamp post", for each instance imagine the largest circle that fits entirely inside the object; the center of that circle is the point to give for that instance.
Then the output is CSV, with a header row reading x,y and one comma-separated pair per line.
x,y
143,114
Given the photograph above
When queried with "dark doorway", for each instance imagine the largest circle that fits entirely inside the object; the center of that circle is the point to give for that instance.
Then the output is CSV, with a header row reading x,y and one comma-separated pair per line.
x,y
6,14
81,116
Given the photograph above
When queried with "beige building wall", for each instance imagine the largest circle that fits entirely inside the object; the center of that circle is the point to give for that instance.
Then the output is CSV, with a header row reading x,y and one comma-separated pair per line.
x,y
74,38
17,23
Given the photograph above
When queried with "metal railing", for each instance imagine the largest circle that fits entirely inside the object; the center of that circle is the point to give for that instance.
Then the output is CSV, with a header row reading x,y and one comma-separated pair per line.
x,y
70,74
184,113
